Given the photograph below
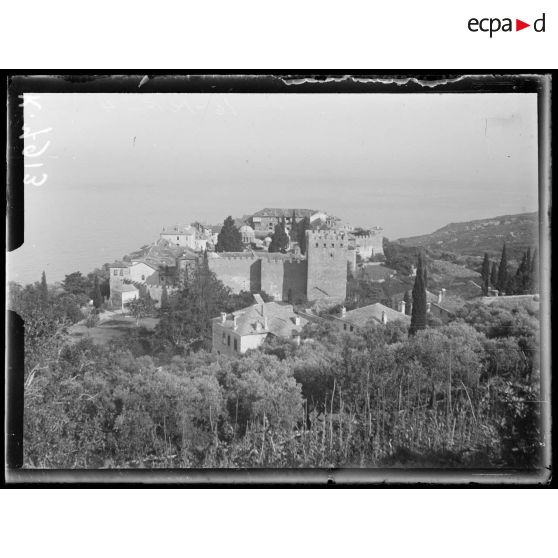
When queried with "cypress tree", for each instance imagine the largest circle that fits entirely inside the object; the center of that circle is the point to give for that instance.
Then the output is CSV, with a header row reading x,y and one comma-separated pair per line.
x,y
43,290
280,240
97,296
503,271
494,275
229,239
485,274
418,312
523,274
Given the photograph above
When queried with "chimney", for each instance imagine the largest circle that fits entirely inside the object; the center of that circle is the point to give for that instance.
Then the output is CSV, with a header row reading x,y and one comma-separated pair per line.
x,y
428,307
223,317
235,324
297,320
384,317
441,295
343,312
402,306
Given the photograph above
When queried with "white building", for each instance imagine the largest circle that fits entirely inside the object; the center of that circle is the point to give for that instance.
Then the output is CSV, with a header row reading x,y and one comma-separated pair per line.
x,y
180,235
248,328
130,272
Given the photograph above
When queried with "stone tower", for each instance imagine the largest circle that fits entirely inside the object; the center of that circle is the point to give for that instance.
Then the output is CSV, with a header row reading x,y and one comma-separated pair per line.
x,y
327,254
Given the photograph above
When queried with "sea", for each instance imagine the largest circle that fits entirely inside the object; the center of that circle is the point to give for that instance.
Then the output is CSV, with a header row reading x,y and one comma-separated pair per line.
x,y
67,230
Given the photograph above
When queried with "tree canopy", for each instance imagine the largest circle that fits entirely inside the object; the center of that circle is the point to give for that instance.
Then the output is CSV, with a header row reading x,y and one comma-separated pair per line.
x,y
280,240
229,239
418,313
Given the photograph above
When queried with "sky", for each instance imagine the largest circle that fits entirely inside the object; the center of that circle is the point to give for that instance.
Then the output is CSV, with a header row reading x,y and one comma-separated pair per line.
x,y
119,166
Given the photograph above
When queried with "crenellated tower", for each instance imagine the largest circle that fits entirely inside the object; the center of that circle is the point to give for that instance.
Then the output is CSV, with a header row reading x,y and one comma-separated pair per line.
x,y
327,255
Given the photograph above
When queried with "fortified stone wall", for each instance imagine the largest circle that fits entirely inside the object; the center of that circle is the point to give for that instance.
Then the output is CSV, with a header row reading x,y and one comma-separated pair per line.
x,y
327,254
283,278
371,244
239,272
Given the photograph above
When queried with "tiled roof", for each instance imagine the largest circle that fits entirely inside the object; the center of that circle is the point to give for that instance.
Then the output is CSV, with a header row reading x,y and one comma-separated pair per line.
x,y
251,320
360,316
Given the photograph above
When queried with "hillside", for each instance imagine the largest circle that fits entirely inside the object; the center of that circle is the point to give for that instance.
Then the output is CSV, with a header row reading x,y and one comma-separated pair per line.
x,y
474,238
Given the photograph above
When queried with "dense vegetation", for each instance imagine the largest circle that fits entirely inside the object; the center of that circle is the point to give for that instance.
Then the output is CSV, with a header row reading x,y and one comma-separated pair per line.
x,y
463,394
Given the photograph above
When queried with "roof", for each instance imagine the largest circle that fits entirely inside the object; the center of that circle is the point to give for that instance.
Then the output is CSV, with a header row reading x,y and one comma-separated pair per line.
x,y
251,320
360,316
284,212
120,264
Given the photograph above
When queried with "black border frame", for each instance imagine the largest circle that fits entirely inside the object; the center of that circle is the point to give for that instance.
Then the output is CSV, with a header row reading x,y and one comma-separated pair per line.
x,y
399,82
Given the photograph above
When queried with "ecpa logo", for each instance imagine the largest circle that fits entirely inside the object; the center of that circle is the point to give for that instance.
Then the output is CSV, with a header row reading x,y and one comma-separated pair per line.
x,y
494,24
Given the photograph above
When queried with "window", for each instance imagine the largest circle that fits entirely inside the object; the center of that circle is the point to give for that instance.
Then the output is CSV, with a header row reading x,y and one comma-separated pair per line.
x,y
143,277
352,328
345,327
317,244
229,340
115,272
331,255
333,245
121,273
235,345
177,238
224,337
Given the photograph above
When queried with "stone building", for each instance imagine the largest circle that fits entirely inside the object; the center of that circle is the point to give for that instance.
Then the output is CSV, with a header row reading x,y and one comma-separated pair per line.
x,y
248,328
282,276
247,234
180,235
264,221
130,272
369,244
327,254
195,237
322,275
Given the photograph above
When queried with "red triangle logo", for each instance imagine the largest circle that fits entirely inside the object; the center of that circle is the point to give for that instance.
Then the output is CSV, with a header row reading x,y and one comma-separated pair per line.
x,y
519,25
